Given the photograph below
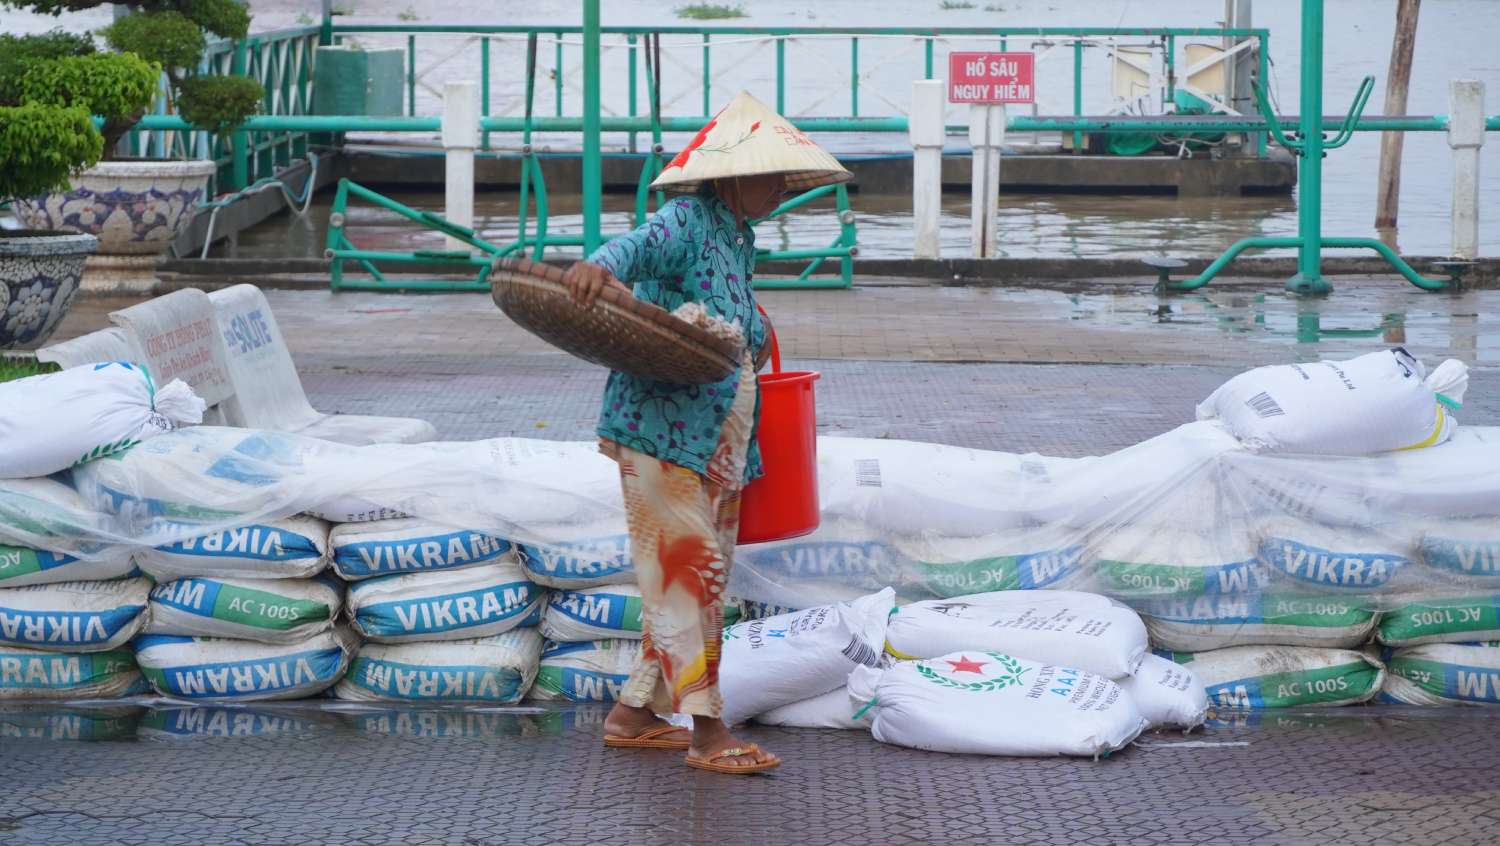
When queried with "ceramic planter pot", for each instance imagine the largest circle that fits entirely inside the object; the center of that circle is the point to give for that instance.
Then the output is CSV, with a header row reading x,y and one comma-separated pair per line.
x,y
39,274
132,207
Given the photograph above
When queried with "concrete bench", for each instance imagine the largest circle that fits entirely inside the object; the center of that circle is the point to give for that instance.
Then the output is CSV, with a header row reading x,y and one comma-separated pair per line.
x,y
177,337
268,393
110,344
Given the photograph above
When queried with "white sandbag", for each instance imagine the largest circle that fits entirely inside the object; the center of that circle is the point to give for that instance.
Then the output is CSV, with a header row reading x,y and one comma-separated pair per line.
x,y
290,548
1030,559
495,670
1374,403
1444,674
54,421
409,545
585,672
27,674
1217,622
832,710
1283,676
776,661
1063,627
1465,619
1168,694
221,669
74,616
42,511
1152,560
1463,551
1363,560
445,604
265,610
989,703
593,614
572,560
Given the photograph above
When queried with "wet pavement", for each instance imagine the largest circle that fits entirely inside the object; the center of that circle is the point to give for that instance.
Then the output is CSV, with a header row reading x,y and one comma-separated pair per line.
x,y
1060,372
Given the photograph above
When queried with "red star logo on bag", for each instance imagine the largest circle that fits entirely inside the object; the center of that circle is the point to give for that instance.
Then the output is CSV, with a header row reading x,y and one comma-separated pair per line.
x,y
964,665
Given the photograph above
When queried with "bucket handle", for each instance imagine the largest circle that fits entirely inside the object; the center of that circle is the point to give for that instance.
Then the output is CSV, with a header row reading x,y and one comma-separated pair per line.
x,y
775,347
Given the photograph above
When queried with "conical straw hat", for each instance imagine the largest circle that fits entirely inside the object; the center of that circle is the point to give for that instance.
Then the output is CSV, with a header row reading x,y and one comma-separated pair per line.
x,y
746,138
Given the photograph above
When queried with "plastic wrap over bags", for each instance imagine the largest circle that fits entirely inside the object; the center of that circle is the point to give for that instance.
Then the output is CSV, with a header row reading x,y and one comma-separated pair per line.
x,y
32,674
1284,676
409,545
1444,674
1168,694
1374,403
1054,627
222,669
266,610
572,559
495,670
594,671
289,548
42,515
74,616
779,660
473,602
990,703
54,421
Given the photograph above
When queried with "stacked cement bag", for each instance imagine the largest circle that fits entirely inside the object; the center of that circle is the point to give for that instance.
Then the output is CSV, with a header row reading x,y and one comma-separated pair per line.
x,y
1444,674
245,613
587,671
1284,676
449,615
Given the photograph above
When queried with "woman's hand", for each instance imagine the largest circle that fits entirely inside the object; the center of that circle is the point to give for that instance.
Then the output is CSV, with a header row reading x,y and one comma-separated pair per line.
x,y
586,281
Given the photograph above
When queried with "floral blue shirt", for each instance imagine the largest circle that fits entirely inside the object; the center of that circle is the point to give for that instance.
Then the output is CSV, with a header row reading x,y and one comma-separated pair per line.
x,y
691,251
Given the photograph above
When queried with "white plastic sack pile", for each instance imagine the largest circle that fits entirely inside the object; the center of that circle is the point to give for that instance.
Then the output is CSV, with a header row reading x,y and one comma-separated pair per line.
x,y
52,422
1062,627
461,604
39,511
1361,560
779,660
1283,676
585,672
215,668
1466,619
1177,561
1168,694
1219,622
291,548
409,545
832,710
1444,674
593,614
34,674
1463,551
265,610
1378,402
74,616
495,670
990,703
573,563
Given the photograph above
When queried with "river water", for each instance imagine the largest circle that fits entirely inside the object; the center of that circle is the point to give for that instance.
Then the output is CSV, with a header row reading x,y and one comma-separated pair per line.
x,y
1455,39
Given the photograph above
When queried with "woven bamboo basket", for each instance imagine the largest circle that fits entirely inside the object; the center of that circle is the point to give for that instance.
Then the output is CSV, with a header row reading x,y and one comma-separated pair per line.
x,y
619,331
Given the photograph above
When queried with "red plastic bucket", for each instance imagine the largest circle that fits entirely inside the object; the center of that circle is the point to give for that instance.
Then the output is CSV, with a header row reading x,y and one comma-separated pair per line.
x,y
784,502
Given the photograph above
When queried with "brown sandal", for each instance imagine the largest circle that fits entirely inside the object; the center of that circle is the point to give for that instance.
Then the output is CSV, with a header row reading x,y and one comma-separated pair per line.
x,y
749,749
649,739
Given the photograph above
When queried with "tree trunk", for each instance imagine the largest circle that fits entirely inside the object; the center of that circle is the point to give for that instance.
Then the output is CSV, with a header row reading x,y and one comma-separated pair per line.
x,y
1403,44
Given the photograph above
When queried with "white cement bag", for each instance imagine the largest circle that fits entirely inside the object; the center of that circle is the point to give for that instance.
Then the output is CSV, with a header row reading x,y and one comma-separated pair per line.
x,y
1283,676
593,614
1168,694
265,610
572,561
494,670
52,422
74,616
1218,622
1151,560
1444,674
409,545
776,661
291,548
34,674
585,672
1465,552
1356,561
220,669
462,604
1466,619
989,703
1374,403
21,566
832,710
40,514
1030,559
1063,627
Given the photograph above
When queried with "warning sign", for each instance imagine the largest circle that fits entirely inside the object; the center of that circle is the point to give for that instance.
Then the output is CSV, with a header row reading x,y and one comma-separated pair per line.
x,y
991,78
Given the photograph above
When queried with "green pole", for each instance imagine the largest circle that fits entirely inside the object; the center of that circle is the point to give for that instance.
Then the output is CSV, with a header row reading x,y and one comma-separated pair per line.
x,y
557,75
707,80
854,76
593,182
411,75
1077,91
781,76
325,29
630,83
484,87
927,51
1309,278
1263,75
239,170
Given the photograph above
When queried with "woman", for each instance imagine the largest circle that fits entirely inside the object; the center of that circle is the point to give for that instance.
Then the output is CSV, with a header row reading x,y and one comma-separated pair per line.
x,y
685,451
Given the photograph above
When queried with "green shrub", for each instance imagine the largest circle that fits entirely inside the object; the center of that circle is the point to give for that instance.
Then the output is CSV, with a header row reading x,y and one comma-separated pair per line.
x,y
20,368
41,146
710,12
16,51
218,103
118,87
167,38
